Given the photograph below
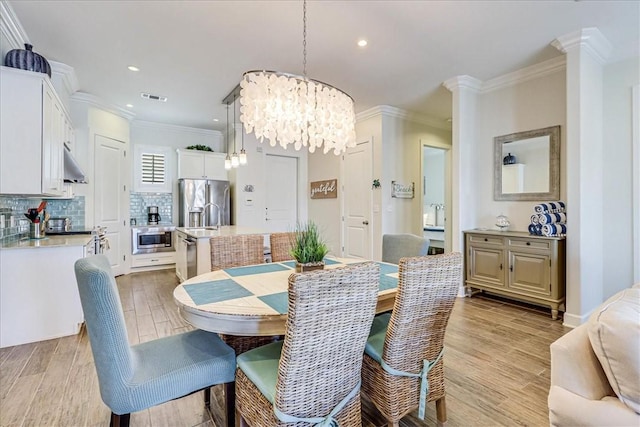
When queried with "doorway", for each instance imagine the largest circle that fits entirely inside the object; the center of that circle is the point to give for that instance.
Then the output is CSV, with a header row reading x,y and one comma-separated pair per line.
x,y
281,204
357,173
434,197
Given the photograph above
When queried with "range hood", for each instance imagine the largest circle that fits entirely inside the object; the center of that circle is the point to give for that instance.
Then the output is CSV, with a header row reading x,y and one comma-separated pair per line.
x,y
72,170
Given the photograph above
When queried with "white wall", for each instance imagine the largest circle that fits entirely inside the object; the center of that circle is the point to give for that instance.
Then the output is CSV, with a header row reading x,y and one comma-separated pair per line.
x,y
254,173
149,133
529,105
327,212
619,78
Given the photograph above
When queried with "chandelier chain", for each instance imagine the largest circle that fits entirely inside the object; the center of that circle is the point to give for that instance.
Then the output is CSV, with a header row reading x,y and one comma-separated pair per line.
x,y
304,38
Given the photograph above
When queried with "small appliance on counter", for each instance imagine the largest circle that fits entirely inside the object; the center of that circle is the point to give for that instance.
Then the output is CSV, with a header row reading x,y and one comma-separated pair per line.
x,y
58,225
153,216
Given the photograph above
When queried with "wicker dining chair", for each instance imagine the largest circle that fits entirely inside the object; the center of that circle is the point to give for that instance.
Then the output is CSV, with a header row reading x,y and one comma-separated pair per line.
x,y
404,349
238,251
281,244
313,376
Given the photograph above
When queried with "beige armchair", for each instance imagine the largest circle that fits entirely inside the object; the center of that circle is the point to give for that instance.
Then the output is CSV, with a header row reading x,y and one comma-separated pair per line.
x,y
582,392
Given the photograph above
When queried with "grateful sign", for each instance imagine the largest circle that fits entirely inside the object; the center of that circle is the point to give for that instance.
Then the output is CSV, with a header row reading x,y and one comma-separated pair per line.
x,y
324,189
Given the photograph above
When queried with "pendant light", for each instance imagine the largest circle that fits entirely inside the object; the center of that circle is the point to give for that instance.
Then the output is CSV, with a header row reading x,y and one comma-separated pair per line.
x,y
235,160
227,160
289,109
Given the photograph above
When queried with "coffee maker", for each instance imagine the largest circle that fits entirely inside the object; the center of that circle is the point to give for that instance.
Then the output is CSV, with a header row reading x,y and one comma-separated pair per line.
x,y
153,217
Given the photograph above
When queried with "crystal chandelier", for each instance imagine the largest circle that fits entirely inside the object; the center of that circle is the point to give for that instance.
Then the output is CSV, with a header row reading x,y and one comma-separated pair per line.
x,y
290,109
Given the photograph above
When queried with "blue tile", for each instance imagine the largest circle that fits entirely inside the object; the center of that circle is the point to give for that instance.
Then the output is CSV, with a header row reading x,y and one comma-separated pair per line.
x,y
387,282
290,264
215,291
279,302
387,268
254,269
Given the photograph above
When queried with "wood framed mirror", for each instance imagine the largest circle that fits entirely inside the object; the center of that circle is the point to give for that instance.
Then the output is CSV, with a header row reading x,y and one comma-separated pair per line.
x,y
527,165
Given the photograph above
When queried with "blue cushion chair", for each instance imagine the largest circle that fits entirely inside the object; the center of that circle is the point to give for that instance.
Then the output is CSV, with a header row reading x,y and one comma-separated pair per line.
x,y
134,378
313,376
403,363
396,246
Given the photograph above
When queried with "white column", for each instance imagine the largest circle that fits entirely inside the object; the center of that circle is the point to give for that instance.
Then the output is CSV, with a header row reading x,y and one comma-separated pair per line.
x,y
464,90
586,51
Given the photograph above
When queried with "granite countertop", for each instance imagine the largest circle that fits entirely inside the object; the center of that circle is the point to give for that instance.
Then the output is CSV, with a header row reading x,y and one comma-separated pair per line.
x,y
225,230
49,242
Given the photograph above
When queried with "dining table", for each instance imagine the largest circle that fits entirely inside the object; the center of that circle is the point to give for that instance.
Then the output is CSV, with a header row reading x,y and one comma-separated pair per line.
x,y
253,301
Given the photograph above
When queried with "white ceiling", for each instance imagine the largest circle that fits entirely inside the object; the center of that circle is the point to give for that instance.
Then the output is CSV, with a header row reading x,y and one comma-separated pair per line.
x,y
194,52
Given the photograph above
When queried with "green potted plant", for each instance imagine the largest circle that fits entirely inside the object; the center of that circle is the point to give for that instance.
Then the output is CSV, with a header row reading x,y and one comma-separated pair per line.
x,y
307,247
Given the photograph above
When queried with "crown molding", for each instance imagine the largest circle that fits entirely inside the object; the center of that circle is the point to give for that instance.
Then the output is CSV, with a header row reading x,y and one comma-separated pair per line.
x,y
142,124
94,101
535,71
67,75
399,113
11,28
464,81
591,39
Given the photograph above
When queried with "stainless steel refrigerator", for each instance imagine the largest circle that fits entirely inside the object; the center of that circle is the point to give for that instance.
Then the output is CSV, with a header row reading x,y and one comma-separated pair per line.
x,y
203,201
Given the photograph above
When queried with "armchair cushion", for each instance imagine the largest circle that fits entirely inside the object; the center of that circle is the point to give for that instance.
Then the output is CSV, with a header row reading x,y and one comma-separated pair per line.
x,y
614,333
260,365
375,342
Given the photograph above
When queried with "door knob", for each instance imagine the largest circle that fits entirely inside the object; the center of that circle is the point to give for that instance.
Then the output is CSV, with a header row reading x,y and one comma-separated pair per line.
x,y
365,222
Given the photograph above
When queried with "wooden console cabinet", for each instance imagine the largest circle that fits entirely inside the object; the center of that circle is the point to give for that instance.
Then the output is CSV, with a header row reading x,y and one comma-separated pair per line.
x,y
517,265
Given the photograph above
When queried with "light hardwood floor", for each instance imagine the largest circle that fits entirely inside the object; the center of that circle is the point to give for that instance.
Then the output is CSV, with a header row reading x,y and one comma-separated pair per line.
x,y
496,367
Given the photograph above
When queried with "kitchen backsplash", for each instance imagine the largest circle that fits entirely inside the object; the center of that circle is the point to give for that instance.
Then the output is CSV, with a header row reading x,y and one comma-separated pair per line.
x,y
14,225
138,203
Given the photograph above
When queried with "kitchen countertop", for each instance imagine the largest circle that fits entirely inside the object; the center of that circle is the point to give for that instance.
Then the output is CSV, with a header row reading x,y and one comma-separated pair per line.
x,y
225,230
49,242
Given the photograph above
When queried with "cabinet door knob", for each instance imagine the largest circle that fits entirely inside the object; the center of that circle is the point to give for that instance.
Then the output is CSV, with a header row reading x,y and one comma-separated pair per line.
x,y
500,266
365,222
511,268
486,240
528,243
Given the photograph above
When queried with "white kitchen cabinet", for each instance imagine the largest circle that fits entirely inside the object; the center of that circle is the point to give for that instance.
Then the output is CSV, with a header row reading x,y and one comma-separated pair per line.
x,y
33,128
39,297
158,259
181,255
201,165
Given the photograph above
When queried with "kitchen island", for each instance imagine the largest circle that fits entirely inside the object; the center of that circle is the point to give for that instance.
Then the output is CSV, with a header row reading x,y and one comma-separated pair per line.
x,y
185,237
39,298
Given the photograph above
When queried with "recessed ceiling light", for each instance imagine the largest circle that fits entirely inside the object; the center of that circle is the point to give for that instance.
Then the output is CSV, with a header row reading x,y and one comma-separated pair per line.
x,y
362,43
133,68
216,120
129,105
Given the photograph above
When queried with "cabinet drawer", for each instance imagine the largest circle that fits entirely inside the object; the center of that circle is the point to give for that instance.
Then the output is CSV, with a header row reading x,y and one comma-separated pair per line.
x,y
147,260
530,243
485,239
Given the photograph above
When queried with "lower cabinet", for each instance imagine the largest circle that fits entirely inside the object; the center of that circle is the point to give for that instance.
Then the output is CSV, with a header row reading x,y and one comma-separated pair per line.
x,y
39,297
517,265
153,260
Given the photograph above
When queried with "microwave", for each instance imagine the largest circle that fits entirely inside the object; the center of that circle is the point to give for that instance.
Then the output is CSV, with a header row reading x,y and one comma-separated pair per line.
x,y
147,240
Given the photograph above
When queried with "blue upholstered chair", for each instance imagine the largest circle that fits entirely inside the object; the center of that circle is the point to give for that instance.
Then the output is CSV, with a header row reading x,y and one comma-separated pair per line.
x,y
396,246
133,378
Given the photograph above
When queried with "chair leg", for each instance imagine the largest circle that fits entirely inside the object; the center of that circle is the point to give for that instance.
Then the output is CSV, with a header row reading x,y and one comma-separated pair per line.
x,y
441,411
207,397
230,403
119,420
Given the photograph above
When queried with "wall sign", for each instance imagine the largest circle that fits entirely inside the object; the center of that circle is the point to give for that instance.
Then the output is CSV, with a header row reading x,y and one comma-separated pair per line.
x,y
402,191
327,189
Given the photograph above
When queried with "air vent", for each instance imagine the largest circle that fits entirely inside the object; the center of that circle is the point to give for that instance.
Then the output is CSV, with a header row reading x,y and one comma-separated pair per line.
x,y
154,97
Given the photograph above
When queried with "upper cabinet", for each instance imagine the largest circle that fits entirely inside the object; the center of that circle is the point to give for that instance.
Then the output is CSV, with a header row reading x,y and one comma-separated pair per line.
x,y
201,165
33,129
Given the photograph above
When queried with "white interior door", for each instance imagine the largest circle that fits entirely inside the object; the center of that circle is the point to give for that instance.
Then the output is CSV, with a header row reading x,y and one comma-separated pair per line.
x,y
111,198
281,204
357,201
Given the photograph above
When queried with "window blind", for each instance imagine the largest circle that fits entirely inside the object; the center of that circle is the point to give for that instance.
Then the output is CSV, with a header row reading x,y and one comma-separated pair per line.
x,y
153,168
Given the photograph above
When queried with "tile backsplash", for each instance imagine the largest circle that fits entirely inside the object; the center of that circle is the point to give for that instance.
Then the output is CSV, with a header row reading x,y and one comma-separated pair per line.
x,y
138,203
14,225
